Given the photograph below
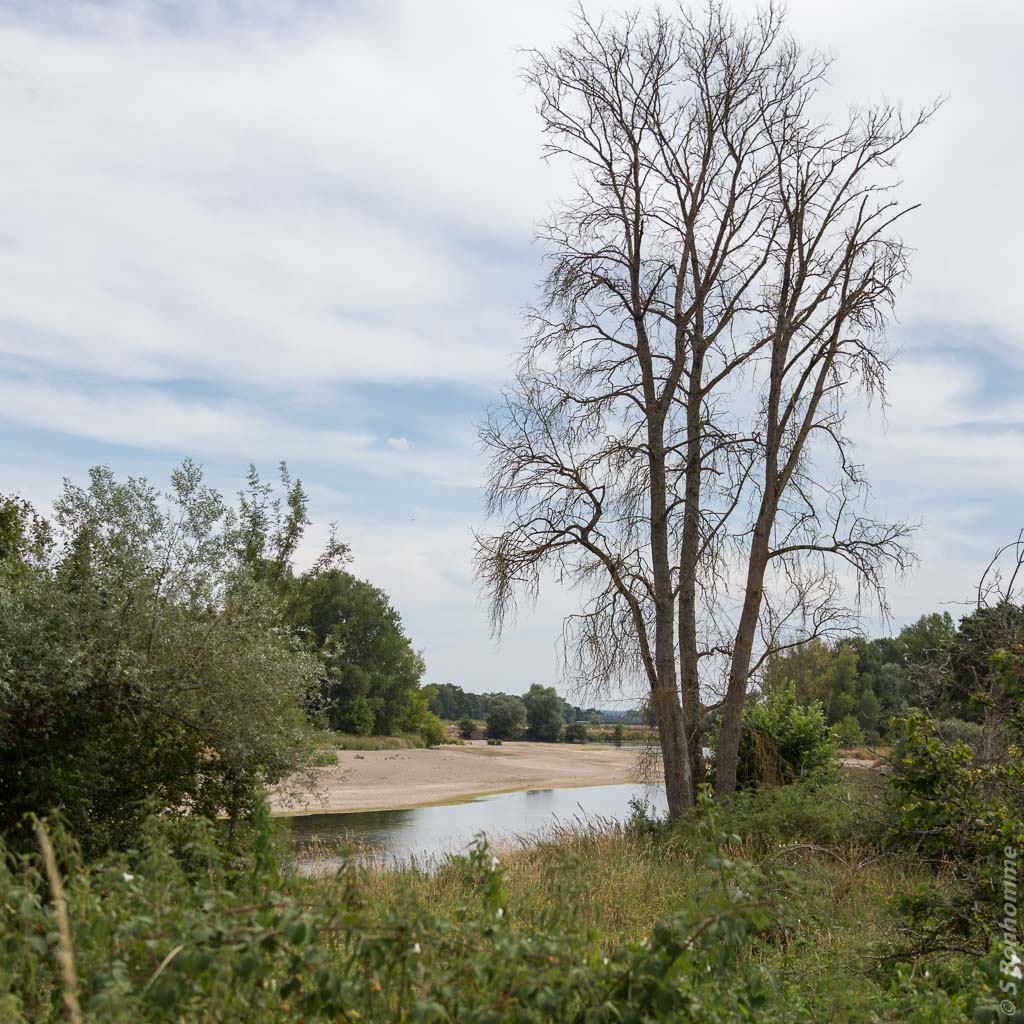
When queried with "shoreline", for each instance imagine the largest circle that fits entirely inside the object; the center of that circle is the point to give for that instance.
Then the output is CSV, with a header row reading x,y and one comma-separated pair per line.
x,y
381,780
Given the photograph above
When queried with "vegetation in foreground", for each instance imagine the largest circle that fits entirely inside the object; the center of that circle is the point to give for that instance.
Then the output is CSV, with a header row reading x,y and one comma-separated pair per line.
x,y
780,905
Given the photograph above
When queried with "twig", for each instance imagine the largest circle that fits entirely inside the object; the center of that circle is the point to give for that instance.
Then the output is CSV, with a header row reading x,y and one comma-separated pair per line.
x,y
66,955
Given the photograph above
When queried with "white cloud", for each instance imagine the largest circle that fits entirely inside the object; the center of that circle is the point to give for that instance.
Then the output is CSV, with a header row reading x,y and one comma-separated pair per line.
x,y
281,200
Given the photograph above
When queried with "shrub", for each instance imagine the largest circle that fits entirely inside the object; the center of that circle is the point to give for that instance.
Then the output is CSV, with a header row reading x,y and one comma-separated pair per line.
x,y
143,662
956,730
783,741
354,716
847,732
576,733
952,809
180,930
432,730
467,727
506,718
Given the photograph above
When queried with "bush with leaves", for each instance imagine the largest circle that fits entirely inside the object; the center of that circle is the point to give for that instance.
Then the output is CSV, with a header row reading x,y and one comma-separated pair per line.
x,y
961,813
783,741
179,930
506,718
144,663
847,732
576,733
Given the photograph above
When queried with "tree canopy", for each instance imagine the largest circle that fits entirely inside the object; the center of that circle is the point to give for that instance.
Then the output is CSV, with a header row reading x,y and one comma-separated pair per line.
x,y
143,662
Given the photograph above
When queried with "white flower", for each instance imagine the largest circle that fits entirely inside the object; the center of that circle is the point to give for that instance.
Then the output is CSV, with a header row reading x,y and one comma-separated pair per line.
x,y
494,863
605,961
501,911
128,878
416,947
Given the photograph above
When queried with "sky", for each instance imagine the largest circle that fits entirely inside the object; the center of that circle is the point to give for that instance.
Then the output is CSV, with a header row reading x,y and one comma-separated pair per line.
x,y
253,230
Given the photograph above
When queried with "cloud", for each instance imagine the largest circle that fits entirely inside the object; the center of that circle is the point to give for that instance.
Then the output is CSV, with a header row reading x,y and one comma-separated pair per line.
x,y
254,229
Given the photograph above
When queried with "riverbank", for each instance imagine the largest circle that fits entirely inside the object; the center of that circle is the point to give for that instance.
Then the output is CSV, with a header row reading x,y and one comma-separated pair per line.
x,y
379,780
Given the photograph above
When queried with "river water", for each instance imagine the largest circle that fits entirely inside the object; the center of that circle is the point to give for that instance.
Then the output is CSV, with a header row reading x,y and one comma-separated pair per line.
x,y
429,833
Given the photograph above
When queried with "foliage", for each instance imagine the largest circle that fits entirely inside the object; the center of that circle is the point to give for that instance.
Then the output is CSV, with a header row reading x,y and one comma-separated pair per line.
x,y
182,929
963,812
576,733
355,717
143,663
366,654
543,714
416,717
847,732
956,730
467,728
506,719
783,740
870,680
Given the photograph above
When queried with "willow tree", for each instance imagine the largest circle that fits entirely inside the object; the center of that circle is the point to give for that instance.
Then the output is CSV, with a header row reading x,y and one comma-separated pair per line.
x,y
717,287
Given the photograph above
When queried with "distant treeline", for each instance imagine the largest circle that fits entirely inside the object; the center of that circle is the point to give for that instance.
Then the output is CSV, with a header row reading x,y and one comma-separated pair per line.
x,y
452,702
934,663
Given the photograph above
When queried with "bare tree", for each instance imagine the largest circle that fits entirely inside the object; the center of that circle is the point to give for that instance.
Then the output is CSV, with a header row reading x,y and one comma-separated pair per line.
x,y
717,286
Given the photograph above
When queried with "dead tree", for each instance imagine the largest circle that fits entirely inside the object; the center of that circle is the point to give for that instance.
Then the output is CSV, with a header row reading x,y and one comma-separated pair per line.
x,y
717,286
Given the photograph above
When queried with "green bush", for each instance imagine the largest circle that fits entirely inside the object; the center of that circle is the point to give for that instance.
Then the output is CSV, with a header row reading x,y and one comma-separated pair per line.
x,y
354,717
143,661
955,811
576,732
847,732
783,741
956,730
178,930
467,728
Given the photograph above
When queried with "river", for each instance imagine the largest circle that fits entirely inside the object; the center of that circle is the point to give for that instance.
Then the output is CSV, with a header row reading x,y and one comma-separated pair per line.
x,y
429,833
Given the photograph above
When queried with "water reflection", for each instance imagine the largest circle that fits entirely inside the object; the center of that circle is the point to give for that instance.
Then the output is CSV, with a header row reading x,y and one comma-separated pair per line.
x,y
431,832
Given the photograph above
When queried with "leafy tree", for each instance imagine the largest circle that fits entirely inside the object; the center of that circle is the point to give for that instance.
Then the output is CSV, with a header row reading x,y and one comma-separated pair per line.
x,y
807,667
467,727
356,717
543,713
143,663
847,732
506,718
366,653
576,733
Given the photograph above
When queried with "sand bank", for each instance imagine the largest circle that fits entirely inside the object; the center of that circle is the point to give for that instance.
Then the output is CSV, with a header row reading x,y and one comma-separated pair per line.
x,y
375,780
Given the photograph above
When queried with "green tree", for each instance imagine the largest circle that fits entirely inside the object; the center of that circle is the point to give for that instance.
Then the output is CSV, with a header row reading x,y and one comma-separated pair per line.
x,y
506,717
576,733
366,653
784,740
143,663
543,714
355,717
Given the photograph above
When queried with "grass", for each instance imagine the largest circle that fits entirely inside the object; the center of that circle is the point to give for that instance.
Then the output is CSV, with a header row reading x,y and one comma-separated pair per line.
x,y
609,884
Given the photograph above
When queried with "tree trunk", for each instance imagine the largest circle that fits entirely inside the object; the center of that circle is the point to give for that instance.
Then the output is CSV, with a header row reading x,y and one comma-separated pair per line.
x,y
671,729
689,675
739,667
675,757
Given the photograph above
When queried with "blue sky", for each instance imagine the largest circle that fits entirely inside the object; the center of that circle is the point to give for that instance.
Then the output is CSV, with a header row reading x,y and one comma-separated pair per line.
x,y
248,231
